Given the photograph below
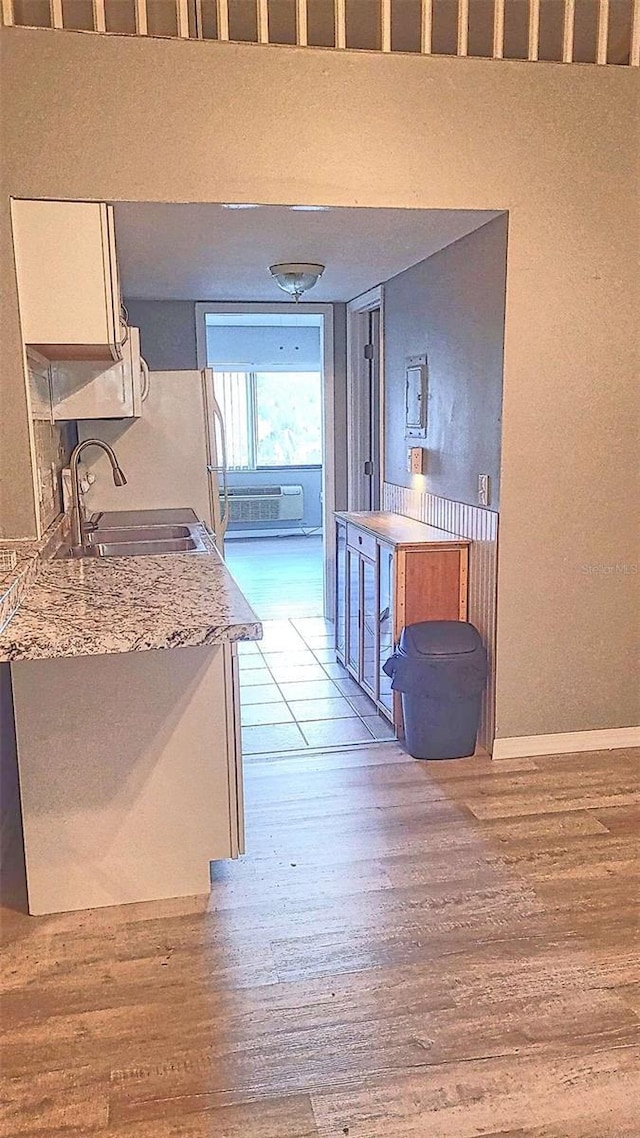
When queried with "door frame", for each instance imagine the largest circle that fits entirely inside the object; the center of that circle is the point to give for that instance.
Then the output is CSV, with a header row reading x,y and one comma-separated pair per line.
x,y
358,310
325,311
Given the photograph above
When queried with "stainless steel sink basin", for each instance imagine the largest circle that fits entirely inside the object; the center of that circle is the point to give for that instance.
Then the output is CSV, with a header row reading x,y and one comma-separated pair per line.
x,y
136,533
148,541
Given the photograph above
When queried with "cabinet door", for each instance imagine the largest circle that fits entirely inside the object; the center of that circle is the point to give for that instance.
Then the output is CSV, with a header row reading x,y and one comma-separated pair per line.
x,y
353,613
68,287
341,590
83,390
369,630
385,625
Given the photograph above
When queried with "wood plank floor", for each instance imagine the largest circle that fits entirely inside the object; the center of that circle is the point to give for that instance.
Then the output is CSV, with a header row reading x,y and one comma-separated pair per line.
x,y
281,577
409,950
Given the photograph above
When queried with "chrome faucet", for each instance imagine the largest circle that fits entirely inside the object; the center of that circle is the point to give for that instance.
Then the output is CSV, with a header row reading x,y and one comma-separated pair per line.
x,y
79,524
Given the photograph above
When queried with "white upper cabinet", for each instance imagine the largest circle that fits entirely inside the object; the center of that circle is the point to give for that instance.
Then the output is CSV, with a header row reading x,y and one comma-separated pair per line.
x,y
68,286
88,389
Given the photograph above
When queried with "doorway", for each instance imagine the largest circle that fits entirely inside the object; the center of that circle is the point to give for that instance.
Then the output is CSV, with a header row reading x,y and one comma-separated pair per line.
x,y
364,398
272,370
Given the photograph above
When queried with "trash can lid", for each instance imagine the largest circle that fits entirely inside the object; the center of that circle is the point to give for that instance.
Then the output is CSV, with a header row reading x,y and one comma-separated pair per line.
x,y
439,638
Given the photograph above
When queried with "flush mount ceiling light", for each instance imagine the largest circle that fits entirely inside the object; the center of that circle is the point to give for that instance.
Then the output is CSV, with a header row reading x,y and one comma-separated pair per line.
x,y
296,278
309,208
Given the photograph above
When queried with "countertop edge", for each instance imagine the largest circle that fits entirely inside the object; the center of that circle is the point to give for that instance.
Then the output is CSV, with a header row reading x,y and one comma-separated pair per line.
x,y
355,518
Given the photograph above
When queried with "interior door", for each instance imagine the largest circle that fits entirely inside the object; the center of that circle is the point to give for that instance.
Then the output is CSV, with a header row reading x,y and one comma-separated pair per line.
x,y
364,421
372,461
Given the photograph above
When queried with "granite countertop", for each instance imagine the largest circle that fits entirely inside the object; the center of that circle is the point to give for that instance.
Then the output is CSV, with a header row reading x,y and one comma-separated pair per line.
x,y
94,606
401,531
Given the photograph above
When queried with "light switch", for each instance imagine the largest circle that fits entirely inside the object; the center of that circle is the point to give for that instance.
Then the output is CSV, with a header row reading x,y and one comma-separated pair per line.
x,y
483,490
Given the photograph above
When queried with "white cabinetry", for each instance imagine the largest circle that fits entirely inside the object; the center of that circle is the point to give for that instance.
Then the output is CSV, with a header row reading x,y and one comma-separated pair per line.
x,y
68,285
135,806
89,390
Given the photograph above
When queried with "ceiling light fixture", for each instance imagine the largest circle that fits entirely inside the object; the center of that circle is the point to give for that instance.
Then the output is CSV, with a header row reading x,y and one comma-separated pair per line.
x,y
309,208
296,278
240,205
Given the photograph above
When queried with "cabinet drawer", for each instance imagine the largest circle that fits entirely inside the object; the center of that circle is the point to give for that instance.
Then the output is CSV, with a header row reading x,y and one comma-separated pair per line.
x,y
365,543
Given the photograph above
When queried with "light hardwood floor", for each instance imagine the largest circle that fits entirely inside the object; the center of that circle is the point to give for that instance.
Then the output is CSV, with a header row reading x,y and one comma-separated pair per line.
x,y
409,950
281,577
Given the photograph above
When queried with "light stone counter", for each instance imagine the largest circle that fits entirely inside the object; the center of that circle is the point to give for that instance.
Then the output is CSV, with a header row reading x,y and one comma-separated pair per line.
x,y
129,761
95,606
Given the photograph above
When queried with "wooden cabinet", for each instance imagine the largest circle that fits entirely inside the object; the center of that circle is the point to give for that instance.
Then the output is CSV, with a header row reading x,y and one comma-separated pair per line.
x,y
68,284
392,571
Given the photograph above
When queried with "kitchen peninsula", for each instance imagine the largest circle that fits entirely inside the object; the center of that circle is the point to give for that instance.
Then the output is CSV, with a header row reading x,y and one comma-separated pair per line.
x,y
125,692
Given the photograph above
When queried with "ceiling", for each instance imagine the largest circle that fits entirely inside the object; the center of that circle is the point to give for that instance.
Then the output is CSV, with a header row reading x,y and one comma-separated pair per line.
x,y
213,252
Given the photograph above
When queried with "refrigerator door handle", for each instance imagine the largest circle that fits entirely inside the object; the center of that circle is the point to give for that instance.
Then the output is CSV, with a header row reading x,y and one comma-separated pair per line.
x,y
217,462
224,519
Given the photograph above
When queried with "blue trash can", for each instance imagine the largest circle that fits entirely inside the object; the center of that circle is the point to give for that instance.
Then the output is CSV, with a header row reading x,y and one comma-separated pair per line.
x,y
440,670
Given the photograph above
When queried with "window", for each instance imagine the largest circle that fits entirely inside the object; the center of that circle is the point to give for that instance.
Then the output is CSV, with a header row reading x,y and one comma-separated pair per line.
x,y
272,418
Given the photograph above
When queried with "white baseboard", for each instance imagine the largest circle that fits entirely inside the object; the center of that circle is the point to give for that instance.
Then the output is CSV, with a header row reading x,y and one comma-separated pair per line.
x,y
565,743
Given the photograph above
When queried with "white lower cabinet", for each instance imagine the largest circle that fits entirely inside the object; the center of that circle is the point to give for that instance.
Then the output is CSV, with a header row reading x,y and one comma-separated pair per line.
x,y
130,774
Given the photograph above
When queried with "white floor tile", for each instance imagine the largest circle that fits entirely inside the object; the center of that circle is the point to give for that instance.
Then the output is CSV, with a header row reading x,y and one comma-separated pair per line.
x,y
253,677
256,714
315,689
286,674
336,732
281,737
261,693
310,709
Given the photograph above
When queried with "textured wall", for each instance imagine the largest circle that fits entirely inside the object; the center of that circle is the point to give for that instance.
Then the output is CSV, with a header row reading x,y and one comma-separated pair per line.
x,y
451,308
549,143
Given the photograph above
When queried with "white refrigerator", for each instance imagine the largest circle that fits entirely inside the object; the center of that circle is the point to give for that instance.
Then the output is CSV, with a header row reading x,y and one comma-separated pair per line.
x,y
173,456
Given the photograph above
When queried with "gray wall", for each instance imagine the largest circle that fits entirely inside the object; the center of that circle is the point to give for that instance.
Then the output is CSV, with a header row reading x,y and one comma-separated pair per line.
x,y
167,332
450,307
548,143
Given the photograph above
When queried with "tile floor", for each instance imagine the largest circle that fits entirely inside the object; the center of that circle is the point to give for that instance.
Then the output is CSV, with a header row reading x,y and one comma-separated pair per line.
x,y
295,696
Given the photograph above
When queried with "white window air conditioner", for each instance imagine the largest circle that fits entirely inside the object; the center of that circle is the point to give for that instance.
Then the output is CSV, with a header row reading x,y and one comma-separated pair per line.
x,y
266,503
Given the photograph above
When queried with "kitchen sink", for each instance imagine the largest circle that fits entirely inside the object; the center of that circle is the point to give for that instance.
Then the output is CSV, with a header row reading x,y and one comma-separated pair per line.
x,y
136,533
147,541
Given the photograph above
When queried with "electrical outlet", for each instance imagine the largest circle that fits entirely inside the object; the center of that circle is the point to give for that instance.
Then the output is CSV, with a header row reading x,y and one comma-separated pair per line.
x,y
417,460
483,490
